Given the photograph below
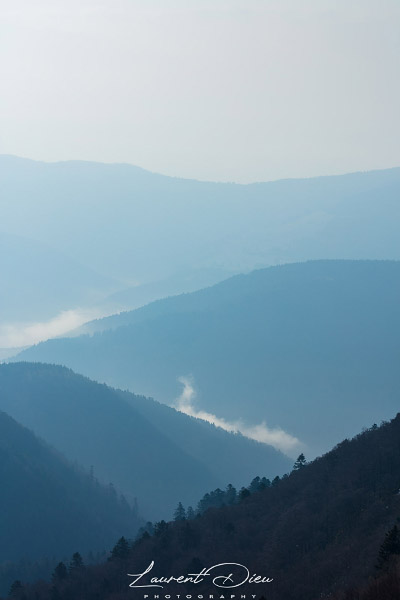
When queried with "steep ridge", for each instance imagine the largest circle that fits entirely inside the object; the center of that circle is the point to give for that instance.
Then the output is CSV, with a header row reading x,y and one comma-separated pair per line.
x,y
97,426
49,507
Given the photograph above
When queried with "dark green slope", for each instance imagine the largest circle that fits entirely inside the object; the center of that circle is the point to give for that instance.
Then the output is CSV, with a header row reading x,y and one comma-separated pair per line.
x,y
317,532
154,453
49,508
313,348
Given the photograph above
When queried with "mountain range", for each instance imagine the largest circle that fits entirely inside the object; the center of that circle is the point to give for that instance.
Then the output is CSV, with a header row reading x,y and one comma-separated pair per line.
x,y
152,235
306,350
247,370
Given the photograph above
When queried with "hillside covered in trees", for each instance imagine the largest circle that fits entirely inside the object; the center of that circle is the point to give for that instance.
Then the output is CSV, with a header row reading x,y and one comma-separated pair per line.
x,y
311,348
147,450
326,530
48,507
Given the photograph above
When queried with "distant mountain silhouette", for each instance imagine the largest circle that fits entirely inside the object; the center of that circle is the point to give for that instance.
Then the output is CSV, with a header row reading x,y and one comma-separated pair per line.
x,y
318,533
140,227
147,450
311,347
47,506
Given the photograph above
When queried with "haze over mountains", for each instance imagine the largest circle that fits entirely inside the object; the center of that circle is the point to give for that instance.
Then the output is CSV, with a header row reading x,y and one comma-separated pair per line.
x,y
148,451
125,227
36,278
310,348
297,356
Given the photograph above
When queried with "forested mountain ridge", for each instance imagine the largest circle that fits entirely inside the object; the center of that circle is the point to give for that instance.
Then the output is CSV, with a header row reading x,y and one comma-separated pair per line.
x,y
317,533
50,507
148,451
307,347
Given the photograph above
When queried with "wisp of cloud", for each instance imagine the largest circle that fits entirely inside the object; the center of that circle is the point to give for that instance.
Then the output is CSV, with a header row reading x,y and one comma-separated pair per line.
x,y
16,335
276,437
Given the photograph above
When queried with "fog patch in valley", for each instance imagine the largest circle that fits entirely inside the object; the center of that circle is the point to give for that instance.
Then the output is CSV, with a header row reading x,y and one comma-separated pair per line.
x,y
20,334
276,437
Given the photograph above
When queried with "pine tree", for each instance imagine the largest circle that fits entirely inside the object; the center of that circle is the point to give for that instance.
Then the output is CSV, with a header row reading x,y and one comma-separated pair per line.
x,y
265,483
217,498
76,563
204,503
60,572
160,528
255,485
190,514
145,532
120,550
230,494
149,527
244,493
180,513
390,547
300,462
142,535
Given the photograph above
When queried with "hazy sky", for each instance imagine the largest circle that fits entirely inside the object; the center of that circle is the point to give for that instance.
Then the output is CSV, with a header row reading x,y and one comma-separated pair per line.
x,y
230,90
